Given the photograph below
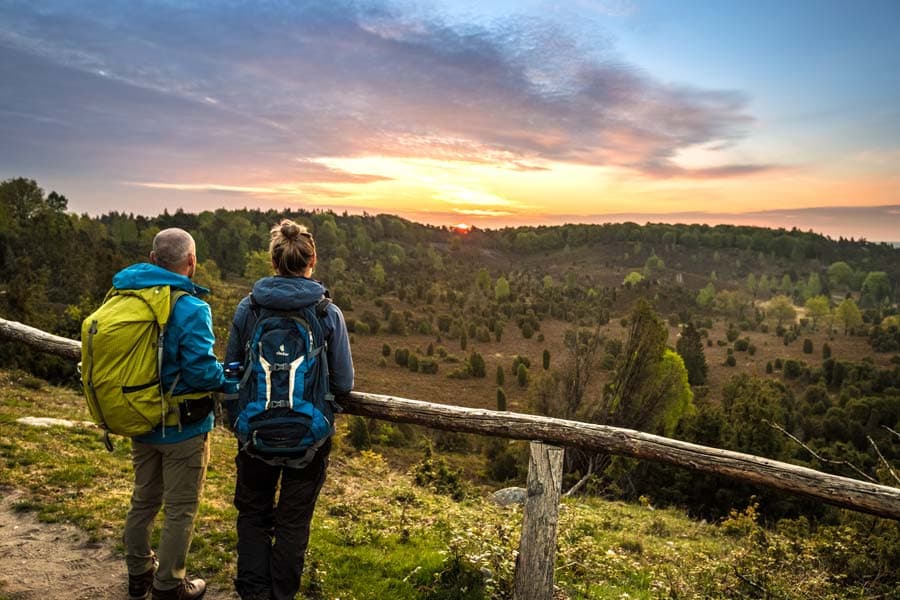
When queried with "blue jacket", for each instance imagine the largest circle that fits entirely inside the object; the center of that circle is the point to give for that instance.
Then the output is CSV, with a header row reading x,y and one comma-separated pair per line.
x,y
188,346
294,293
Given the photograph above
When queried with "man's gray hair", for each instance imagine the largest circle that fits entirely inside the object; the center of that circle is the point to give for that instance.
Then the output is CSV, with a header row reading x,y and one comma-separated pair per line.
x,y
171,247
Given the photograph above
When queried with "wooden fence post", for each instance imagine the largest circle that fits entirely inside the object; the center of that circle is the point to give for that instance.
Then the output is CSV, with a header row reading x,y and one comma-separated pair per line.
x,y
537,548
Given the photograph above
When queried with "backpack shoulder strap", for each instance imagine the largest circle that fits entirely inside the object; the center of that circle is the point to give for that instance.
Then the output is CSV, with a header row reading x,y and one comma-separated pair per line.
x,y
174,296
322,306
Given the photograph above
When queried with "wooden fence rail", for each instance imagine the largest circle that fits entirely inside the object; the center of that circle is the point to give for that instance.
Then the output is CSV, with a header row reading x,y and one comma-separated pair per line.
x,y
845,492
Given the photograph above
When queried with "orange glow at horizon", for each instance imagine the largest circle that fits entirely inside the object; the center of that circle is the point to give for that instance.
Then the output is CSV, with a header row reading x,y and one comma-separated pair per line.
x,y
498,192
462,194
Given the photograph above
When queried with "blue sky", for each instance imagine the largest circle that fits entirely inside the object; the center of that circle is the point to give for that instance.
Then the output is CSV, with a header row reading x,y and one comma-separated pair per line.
x,y
488,112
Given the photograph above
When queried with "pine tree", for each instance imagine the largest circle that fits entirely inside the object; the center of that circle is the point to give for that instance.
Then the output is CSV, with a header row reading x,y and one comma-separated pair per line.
x,y
522,375
690,347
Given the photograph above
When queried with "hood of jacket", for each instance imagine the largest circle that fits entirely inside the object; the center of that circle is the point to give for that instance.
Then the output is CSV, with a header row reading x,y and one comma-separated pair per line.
x,y
287,293
144,275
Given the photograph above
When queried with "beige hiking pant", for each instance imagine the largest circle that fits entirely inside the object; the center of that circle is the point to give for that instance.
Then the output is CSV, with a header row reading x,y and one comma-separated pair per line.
x,y
170,475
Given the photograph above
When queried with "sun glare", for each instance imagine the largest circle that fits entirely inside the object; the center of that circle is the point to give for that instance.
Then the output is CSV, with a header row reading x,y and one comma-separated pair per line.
x,y
462,228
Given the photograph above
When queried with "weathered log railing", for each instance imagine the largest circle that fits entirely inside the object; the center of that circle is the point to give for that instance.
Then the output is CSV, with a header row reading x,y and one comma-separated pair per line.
x,y
534,569
848,493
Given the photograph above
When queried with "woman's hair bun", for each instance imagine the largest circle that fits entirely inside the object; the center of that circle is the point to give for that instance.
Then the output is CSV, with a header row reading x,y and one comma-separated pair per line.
x,y
290,230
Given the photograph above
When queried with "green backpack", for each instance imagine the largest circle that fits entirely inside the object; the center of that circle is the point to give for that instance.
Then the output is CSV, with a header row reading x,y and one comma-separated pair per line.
x,y
121,360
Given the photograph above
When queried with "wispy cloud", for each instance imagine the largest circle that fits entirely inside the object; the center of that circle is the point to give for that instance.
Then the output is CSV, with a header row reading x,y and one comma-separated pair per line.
x,y
247,86
204,187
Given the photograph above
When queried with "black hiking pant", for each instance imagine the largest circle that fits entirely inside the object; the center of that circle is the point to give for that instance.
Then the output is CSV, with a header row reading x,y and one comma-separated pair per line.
x,y
273,535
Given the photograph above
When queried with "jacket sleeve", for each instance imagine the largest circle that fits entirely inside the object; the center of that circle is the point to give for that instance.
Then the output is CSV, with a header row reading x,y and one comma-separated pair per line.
x,y
200,369
340,362
240,331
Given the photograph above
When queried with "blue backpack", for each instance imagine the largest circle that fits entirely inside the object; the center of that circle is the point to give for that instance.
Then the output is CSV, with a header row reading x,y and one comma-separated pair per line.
x,y
285,409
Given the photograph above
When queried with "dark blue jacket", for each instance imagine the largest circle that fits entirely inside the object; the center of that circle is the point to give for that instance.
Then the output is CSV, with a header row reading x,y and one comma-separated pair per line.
x,y
188,347
294,293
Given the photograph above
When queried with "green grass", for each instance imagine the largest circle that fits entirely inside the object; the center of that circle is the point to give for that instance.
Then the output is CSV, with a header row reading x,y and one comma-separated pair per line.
x,y
376,535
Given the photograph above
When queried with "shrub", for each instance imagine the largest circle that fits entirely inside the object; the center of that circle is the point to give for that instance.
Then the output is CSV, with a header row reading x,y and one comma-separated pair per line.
x,y
401,356
396,324
732,334
382,361
370,319
358,433
501,399
522,375
385,350
412,363
463,341
807,346
742,344
519,359
546,359
501,376
792,368
769,368
429,366
527,330
506,460
826,351
779,364
608,362
751,349
461,372
730,361
476,365
435,473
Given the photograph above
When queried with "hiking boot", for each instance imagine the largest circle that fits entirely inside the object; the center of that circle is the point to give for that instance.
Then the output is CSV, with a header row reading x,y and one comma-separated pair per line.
x,y
188,589
139,585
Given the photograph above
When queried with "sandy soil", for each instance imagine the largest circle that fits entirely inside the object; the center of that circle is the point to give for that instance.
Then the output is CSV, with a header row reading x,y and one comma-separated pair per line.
x,y
52,561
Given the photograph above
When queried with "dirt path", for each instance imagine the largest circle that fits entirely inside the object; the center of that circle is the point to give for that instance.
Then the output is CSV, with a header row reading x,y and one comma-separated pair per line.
x,y
51,561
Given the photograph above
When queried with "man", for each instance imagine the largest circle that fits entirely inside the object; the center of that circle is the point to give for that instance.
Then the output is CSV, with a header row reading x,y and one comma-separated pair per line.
x,y
170,462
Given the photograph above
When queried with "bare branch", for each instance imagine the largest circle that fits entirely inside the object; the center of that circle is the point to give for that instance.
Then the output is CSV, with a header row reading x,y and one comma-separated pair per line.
x,y
883,460
820,457
583,480
891,430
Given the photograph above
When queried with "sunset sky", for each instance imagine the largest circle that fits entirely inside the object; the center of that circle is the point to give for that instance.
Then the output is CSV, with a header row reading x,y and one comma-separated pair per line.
x,y
775,113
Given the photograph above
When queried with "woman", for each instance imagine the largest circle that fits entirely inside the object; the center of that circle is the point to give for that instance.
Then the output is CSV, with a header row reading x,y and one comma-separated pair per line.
x,y
272,537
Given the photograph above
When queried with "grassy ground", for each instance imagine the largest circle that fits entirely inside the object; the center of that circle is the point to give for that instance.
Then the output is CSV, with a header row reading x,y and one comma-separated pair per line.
x,y
377,535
